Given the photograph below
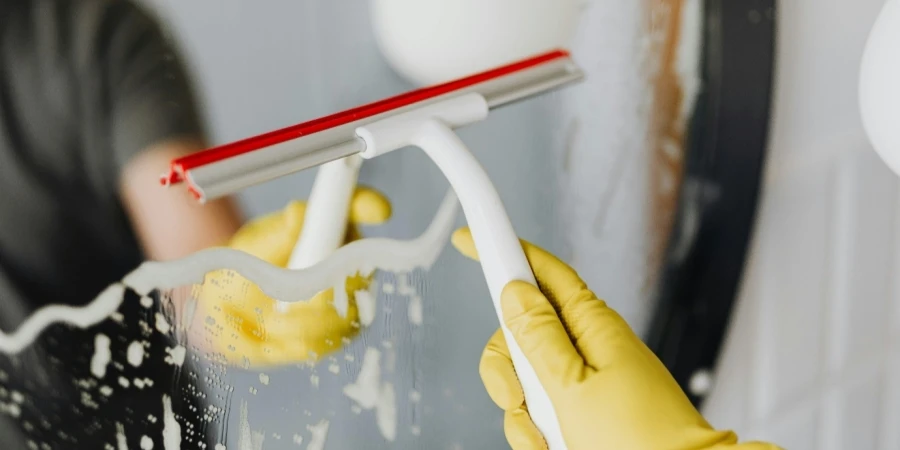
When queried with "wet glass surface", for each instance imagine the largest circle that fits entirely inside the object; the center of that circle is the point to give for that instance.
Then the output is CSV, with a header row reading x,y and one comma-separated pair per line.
x,y
173,368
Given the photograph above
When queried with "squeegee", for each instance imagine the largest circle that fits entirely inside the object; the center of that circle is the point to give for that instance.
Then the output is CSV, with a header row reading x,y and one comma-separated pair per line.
x,y
424,118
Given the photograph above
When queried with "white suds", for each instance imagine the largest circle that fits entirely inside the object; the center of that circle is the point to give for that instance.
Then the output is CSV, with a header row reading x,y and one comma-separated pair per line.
x,y
102,355
386,412
365,390
359,257
415,310
369,393
340,300
121,441
124,382
106,391
82,317
146,443
688,57
388,288
187,313
146,302
135,354
12,409
176,355
365,302
171,427
319,433
220,447
298,439
248,439
264,379
88,401
162,325
403,286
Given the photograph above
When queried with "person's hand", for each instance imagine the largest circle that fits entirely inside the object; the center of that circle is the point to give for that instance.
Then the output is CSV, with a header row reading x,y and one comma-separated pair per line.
x,y
608,389
248,329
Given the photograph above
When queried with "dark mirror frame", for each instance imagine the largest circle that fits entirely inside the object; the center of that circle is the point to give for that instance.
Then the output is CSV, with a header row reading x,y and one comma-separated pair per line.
x,y
724,160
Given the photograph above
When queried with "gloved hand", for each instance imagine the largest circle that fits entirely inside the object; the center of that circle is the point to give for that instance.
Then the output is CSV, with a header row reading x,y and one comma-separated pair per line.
x,y
608,389
248,329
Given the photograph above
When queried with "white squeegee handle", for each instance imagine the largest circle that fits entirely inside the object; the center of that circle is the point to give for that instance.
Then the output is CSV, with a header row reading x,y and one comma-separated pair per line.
x,y
327,212
499,249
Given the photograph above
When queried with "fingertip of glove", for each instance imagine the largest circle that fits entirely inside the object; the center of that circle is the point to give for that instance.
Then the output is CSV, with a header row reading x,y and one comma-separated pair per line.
x,y
521,432
463,242
520,297
501,383
370,207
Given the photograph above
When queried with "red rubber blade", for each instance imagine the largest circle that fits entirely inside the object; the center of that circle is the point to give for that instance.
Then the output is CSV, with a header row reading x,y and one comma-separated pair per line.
x,y
181,166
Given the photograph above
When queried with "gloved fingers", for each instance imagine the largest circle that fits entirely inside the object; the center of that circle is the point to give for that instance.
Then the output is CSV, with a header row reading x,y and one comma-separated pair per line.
x,y
557,280
276,350
587,319
521,433
599,333
534,325
498,375
271,237
353,234
252,327
369,207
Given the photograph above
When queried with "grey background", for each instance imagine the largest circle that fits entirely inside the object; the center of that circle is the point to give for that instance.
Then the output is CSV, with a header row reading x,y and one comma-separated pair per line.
x,y
264,65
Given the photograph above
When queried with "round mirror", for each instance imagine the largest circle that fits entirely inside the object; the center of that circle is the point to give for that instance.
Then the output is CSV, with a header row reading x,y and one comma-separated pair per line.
x,y
643,177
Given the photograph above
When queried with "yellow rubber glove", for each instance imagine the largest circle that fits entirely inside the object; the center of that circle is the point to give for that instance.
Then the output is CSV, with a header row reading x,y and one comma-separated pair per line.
x,y
248,329
608,389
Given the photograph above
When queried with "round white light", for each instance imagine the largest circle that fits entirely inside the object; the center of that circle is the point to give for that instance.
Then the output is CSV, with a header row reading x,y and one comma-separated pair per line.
x,y
879,85
432,41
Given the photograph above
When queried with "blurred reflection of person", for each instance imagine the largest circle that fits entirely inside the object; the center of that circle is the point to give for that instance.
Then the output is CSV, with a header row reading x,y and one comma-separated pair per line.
x,y
94,102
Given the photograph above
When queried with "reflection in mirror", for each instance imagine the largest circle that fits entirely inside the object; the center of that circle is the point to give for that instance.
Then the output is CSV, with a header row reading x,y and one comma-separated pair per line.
x,y
198,358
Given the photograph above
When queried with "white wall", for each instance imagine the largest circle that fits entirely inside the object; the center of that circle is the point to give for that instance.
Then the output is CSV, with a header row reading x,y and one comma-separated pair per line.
x,y
813,358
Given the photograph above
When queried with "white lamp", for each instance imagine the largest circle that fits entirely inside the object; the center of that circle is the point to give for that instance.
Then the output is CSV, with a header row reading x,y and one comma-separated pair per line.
x,y
879,85
432,41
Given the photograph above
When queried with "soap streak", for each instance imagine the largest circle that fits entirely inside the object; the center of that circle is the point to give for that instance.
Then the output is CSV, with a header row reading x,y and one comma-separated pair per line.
x,y
319,433
121,442
82,317
102,355
363,256
171,427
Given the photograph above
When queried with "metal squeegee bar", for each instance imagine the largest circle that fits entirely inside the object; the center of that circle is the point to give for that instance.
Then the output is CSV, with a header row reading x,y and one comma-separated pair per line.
x,y
229,168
